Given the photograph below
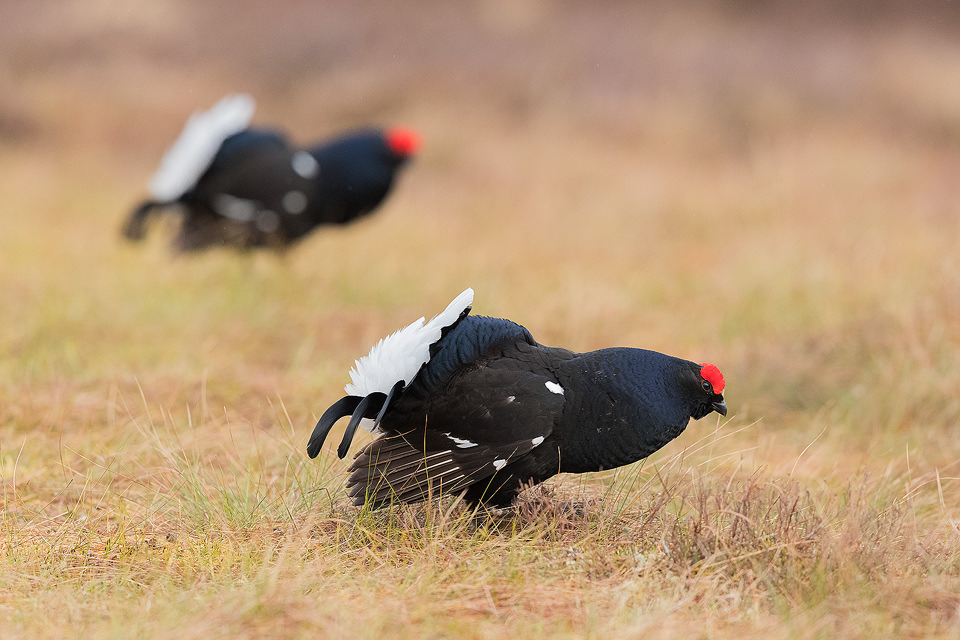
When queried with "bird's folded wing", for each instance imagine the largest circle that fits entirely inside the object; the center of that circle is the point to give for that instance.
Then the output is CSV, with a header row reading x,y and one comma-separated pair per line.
x,y
485,419
262,182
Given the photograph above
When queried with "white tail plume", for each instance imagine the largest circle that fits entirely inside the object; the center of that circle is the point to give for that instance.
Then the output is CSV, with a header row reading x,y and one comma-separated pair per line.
x,y
400,355
191,154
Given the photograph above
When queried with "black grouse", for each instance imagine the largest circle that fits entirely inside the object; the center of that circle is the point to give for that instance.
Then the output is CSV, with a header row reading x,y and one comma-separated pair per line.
x,y
248,188
474,404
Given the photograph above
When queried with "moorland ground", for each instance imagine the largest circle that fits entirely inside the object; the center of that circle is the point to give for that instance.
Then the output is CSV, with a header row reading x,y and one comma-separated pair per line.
x,y
770,187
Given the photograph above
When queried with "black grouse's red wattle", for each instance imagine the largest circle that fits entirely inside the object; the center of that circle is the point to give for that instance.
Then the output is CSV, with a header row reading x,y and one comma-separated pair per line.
x,y
246,188
475,404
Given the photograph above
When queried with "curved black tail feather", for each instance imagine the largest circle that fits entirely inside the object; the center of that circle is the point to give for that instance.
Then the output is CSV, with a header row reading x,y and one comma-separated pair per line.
x,y
374,406
351,429
394,390
136,226
342,407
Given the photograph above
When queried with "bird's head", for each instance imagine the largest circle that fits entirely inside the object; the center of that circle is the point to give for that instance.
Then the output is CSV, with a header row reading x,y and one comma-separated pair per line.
x,y
404,143
709,395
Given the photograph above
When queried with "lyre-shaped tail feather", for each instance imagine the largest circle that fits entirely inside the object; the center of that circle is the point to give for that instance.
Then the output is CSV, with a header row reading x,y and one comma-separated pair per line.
x,y
136,225
342,407
372,406
358,414
394,390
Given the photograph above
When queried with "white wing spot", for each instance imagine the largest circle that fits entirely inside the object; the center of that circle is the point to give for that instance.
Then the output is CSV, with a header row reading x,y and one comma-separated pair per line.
x,y
499,464
239,209
511,398
267,221
553,387
305,165
461,444
295,201
536,441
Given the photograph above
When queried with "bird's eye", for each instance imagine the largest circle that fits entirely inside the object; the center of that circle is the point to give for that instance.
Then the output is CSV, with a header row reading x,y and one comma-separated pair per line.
x,y
707,386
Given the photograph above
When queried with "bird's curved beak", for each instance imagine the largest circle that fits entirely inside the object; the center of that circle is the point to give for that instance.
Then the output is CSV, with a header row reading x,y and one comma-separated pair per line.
x,y
720,407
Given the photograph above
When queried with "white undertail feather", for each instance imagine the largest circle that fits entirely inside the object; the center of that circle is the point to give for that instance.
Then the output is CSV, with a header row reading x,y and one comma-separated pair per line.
x,y
400,355
191,154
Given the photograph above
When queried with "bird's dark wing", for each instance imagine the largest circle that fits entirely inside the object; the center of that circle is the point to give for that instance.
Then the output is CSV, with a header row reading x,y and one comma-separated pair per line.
x,y
469,342
245,144
484,418
259,191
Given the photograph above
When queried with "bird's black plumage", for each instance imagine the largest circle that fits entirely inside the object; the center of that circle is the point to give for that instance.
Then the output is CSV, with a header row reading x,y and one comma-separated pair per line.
x,y
259,191
492,410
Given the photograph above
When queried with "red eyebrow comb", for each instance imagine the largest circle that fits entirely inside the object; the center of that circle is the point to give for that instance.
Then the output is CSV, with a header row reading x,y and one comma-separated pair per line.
x,y
403,142
711,374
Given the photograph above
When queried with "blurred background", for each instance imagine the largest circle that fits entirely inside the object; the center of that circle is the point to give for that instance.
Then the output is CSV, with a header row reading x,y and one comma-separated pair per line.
x,y
771,186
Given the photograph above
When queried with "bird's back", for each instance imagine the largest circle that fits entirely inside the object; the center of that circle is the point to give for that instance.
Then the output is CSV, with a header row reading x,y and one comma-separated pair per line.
x,y
240,147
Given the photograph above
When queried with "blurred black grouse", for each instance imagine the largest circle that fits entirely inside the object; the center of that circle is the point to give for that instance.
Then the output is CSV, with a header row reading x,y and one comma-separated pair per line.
x,y
248,188
474,404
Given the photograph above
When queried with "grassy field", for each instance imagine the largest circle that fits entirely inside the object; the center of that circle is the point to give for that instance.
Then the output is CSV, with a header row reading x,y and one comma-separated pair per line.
x,y
773,189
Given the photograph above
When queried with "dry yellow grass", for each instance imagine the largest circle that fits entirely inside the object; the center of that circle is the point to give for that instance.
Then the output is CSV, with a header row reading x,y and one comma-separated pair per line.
x,y
769,190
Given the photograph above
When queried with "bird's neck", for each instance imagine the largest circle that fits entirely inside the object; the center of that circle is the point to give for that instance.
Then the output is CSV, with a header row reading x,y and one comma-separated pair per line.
x,y
621,412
